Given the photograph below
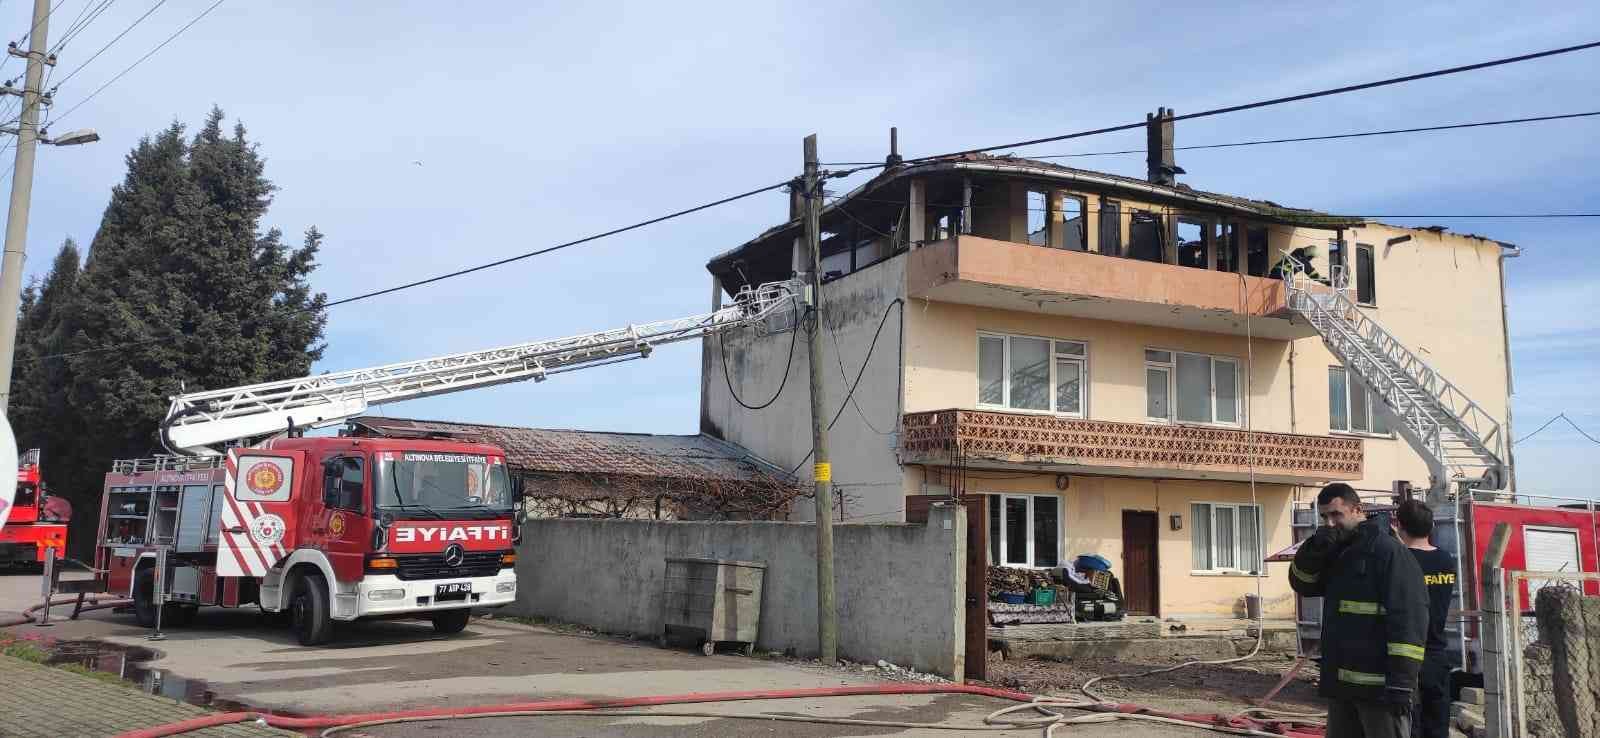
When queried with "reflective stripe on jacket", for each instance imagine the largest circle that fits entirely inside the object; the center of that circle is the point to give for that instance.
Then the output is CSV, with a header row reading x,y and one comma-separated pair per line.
x,y
1374,613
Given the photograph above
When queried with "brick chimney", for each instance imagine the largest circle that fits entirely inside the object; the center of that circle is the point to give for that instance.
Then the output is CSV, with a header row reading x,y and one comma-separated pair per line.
x,y
1162,169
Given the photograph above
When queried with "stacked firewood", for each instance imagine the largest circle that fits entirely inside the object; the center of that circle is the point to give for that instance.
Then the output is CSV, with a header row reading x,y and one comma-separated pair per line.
x,y
1012,580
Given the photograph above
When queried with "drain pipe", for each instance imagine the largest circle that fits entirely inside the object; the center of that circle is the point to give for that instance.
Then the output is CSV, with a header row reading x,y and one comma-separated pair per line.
x,y
1508,251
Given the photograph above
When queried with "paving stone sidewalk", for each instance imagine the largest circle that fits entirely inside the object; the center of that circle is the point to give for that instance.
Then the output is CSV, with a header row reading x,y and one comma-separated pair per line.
x,y
37,700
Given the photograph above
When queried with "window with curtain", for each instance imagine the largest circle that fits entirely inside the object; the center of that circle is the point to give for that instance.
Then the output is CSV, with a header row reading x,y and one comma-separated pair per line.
x,y
1026,373
1025,530
1351,407
1226,537
1192,388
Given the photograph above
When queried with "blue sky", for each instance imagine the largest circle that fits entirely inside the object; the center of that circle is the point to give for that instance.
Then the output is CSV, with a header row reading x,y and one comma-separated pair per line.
x,y
539,124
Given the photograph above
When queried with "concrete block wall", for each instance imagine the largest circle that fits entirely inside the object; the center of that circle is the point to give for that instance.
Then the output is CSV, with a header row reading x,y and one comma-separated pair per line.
x,y
900,588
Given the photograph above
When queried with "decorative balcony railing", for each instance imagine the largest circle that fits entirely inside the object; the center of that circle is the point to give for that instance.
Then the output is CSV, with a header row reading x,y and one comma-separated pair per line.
x,y
1146,449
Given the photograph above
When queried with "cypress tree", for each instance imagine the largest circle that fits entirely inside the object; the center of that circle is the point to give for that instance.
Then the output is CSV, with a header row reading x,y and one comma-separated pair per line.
x,y
182,290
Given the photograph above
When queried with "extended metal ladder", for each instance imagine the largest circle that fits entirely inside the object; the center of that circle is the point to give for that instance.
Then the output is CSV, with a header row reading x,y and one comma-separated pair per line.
x,y
197,422
1461,443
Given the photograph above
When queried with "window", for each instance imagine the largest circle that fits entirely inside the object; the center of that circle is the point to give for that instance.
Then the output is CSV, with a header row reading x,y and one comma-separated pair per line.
x,y
1191,388
1366,286
1145,237
1110,228
1023,373
1351,407
1191,243
1038,218
1074,223
343,483
1226,537
1025,530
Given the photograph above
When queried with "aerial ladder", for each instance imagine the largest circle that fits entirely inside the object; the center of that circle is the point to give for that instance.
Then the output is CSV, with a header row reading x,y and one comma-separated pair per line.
x,y
205,423
1462,444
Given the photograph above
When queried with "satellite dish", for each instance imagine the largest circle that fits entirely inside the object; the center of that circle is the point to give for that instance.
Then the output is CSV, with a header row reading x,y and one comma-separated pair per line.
x,y
8,470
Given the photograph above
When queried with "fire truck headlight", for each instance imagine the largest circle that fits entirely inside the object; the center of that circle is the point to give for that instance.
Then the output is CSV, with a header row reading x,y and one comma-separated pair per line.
x,y
505,587
379,595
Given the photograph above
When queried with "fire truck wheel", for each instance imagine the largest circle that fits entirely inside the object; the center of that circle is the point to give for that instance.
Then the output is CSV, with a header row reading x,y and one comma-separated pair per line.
x,y
451,621
308,610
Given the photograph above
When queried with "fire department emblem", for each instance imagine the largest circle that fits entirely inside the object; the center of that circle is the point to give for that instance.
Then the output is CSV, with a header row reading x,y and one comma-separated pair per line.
x,y
267,529
336,524
264,478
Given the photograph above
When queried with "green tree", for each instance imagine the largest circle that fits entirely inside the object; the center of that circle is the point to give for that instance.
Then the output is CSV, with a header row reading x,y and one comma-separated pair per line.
x,y
182,289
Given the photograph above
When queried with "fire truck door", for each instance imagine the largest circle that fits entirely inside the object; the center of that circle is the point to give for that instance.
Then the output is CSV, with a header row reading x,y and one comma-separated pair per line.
x,y
258,520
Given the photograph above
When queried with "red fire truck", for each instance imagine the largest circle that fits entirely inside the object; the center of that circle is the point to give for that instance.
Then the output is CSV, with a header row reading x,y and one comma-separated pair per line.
x,y
247,510
37,521
323,529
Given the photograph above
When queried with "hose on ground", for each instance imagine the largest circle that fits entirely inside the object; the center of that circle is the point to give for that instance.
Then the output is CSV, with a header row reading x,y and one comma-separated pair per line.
x,y
1049,712
28,616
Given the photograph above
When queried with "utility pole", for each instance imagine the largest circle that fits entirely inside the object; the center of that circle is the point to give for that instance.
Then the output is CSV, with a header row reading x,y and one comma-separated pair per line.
x,y
21,195
822,471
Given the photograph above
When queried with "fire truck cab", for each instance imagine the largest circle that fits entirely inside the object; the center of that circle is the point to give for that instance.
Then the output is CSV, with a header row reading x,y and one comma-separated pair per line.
x,y
319,529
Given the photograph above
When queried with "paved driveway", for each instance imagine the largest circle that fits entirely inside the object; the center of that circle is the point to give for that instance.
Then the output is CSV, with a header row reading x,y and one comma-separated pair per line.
x,y
233,658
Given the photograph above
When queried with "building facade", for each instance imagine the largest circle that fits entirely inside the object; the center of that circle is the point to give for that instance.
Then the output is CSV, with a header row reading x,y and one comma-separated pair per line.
x,y
1109,361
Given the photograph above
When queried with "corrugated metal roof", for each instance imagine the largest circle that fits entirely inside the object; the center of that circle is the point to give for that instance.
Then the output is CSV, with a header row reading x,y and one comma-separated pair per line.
x,y
555,451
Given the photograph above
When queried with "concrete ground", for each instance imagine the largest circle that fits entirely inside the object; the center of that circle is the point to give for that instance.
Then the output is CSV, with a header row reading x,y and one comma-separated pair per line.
x,y
233,658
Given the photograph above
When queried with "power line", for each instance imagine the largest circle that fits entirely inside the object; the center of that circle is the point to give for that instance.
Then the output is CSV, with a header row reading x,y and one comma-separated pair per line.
x,y
110,43
1548,423
1299,139
722,351
140,60
1279,100
460,272
1169,211
850,395
80,24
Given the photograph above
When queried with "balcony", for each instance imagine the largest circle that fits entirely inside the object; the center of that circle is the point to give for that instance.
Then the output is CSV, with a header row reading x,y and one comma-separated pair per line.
x,y
1013,276
1022,441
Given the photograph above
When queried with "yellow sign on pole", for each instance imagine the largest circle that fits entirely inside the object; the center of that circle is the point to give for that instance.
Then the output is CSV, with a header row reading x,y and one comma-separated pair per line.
x,y
822,472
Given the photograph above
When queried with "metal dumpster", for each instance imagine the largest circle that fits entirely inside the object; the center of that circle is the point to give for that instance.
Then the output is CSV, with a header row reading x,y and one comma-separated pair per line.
x,y
715,600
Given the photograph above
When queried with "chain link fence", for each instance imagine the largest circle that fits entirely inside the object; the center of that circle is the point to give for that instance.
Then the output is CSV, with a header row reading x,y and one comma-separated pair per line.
x,y
1555,656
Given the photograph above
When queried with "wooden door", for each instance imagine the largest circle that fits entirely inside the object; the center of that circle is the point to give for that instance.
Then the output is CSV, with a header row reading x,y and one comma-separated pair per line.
x,y
1141,592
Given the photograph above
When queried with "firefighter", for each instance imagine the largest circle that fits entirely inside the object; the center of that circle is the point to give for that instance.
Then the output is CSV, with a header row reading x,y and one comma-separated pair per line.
x,y
1413,523
1374,618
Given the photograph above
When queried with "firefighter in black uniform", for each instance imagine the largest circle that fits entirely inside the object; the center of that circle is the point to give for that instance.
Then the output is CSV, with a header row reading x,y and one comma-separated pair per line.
x,y
1374,618
1413,523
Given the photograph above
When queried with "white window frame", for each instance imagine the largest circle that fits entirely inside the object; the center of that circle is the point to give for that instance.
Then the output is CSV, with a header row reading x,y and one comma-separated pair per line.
x,y
1238,550
999,544
1349,416
1171,368
1057,355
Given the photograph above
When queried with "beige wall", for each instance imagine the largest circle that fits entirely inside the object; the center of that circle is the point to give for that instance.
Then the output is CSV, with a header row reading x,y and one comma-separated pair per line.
x,y
1093,522
1438,294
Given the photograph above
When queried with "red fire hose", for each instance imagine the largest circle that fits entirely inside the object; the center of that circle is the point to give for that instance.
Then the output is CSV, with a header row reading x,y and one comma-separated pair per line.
x,y
1111,711
27,615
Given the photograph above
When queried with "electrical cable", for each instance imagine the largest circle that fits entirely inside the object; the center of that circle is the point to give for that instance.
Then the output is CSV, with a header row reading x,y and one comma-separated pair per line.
x,y
722,351
109,44
459,272
857,383
81,23
1299,139
1559,416
141,59
1273,101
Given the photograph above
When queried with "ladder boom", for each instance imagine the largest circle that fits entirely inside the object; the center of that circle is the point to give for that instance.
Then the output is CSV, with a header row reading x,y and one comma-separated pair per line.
x,y
198,421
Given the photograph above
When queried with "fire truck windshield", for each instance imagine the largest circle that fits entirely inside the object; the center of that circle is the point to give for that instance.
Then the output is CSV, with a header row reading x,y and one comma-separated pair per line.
x,y
437,484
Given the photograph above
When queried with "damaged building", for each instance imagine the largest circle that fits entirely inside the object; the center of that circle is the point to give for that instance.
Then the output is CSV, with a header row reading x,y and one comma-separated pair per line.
x,y
1107,361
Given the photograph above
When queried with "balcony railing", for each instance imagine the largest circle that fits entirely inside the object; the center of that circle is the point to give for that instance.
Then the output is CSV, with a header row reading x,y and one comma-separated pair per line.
x,y
1047,442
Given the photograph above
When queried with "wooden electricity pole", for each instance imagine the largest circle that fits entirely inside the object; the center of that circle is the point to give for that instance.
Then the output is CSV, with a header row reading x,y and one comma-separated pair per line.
x,y
822,471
